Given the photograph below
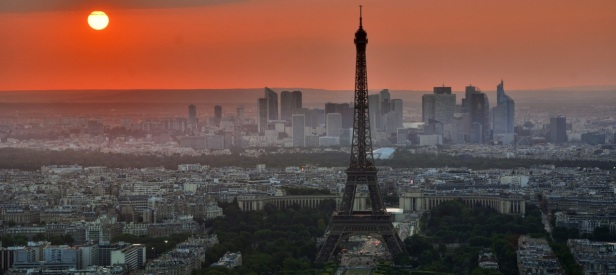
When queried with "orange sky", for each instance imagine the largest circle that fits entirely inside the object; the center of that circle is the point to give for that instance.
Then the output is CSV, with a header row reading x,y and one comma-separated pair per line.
x,y
306,43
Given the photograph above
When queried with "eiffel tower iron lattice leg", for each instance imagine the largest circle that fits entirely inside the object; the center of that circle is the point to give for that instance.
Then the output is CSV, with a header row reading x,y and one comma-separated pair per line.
x,y
346,222
346,226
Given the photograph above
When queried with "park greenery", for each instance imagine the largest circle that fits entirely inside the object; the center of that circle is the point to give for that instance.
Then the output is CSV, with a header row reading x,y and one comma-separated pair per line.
x,y
31,159
272,241
454,234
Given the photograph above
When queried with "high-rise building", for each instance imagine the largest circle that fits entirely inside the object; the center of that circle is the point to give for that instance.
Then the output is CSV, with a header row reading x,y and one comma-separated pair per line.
x,y
477,105
217,115
428,111
385,105
289,103
476,133
299,128
314,118
503,114
345,109
397,108
558,129
218,111
262,114
346,137
374,111
470,89
272,104
240,114
593,138
391,123
442,90
334,124
440,105
192,116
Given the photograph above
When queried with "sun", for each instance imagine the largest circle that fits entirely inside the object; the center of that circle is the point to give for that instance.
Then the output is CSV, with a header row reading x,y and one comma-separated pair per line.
x,y
98,20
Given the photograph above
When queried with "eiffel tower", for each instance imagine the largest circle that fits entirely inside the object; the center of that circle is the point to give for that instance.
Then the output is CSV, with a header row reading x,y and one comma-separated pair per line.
x,y
345,221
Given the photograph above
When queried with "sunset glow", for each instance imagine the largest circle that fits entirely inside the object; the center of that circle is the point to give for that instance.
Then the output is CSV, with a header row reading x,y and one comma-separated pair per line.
x,y
278,43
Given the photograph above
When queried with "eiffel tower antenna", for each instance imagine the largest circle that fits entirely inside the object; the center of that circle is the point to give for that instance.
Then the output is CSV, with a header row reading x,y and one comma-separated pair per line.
x,y
362,171
360,17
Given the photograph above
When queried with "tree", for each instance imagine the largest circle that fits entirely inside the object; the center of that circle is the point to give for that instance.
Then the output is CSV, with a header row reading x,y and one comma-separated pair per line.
x,y
602,234
560,234
416,244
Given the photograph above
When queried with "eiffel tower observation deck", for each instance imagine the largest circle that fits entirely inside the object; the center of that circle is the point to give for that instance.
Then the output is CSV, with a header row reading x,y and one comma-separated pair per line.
x,y
345,220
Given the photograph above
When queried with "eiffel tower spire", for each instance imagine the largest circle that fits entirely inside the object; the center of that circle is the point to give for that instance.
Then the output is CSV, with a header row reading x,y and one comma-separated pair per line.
x,y
362,171
361,150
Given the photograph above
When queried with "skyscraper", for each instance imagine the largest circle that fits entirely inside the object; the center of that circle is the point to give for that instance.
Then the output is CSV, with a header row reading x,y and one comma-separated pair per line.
x,y
218,111
334,124
374,111
217,115
397,108
558,129
299,130
192,116
313,117
440,105
289,103
262,114
344,109
272,104
503,114
477,105
240,114
385,105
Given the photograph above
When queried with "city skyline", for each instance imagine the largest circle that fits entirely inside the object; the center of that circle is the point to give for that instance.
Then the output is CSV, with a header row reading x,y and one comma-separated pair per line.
x,y
249,44
170,187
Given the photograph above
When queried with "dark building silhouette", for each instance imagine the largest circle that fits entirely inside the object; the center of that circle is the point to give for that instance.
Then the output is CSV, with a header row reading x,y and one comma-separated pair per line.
x,y
503,114
217,115
192,116
289,103
385,104
344,109
333,124
347,221
393,119
299,127
477,106
272,104
262,114
558,129
442,90
218,111
440,105
376,118
313,117
593,138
